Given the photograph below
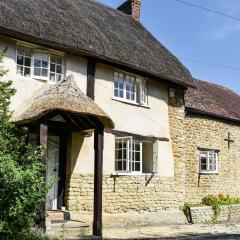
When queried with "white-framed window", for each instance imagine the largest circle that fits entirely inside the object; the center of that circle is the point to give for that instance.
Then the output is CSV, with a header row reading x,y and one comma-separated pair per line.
x,y
24,59
134,156
39,64
130,88
208,161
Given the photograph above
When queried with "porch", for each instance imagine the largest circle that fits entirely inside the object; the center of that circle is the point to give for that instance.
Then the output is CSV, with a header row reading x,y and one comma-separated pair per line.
x,y
52,115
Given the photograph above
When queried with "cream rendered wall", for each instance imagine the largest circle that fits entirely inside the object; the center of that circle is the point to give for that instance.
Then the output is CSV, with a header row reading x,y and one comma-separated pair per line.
x,y
151,121
129,118
27,86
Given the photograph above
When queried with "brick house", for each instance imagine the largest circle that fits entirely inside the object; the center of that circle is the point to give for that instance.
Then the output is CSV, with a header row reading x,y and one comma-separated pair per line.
x,y
85,72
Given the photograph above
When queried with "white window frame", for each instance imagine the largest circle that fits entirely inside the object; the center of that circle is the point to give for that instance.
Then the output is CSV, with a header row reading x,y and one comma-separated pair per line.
x,y
35,50
140,86
216,158
129,155
124,98
143,91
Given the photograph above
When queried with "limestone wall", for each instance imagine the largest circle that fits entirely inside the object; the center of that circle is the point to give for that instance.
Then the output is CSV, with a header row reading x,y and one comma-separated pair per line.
x,y
205,214
124,193
210,133
143,193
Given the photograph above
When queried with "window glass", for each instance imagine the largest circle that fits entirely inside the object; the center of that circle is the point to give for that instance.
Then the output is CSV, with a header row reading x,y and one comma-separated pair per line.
x,y
143,91
44,64
208,161
41,61
56,68
130,88
128,155
23,62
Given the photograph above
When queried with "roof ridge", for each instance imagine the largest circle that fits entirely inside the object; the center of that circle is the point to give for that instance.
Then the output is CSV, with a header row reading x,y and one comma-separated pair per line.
x,y
218,85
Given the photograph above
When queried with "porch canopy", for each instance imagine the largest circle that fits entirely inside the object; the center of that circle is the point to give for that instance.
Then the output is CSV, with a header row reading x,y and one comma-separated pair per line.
x,y
63,107
66,99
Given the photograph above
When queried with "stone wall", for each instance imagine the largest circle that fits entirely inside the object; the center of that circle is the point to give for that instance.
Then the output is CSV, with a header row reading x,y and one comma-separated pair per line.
x,y
210,133
148,193
205,214
124,193
144,193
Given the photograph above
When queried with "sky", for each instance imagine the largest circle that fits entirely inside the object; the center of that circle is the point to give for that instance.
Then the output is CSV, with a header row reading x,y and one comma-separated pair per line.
x,y
194,34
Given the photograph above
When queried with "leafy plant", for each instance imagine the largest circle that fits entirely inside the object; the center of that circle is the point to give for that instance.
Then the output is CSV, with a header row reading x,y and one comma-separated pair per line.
x,y
187,212
217,200
22,185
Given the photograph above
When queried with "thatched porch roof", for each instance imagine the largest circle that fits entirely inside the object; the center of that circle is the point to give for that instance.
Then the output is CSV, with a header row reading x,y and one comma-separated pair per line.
x,y
64,96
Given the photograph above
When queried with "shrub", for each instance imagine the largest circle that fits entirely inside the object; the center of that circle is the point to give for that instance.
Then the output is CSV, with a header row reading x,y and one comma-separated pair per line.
x,y
217,200
22,186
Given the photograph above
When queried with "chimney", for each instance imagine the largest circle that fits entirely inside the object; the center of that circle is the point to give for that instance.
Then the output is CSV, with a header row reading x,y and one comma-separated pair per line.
x,y
131,7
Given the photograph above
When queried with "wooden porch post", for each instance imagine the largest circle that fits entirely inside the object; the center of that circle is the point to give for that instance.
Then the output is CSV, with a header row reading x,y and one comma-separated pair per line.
x,y
98,173
43,142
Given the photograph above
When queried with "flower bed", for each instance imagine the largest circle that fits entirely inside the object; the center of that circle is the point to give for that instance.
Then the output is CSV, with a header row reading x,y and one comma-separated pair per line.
x,y
214,209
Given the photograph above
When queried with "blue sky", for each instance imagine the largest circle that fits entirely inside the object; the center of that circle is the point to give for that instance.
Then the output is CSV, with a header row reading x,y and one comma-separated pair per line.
x,y
192,33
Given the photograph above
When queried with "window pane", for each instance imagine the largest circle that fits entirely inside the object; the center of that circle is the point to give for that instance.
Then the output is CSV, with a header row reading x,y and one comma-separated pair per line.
x,y
37,71
124,167
137,156
53,59
20,70
20,60
27,72
59,69
27,61
120,85
37,62
28,52
44,72
121,94
118,165
137,166
52,67
52,77
203,163
44,63
59,60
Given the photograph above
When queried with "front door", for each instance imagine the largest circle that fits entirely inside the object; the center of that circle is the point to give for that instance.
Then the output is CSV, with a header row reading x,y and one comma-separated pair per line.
x,y
53,172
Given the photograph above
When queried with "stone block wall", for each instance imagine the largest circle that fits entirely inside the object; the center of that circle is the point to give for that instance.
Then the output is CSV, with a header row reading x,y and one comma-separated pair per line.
x,y
148,193
201,131
205,214
124,193
145,193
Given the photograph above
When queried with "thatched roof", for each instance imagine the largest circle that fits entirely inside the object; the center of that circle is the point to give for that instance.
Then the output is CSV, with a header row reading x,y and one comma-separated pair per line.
x,y
64,96
213,100
89,28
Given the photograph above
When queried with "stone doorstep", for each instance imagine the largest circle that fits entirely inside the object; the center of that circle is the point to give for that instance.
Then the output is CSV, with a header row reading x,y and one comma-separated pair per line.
x,y
70,229
58,215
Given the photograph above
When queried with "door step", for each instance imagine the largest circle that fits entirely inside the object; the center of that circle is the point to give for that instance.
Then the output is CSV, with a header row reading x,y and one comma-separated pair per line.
x,y
57,215
68,229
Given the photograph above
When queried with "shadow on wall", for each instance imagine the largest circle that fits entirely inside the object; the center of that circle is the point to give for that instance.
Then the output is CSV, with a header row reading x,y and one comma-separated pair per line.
x,y
74,148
